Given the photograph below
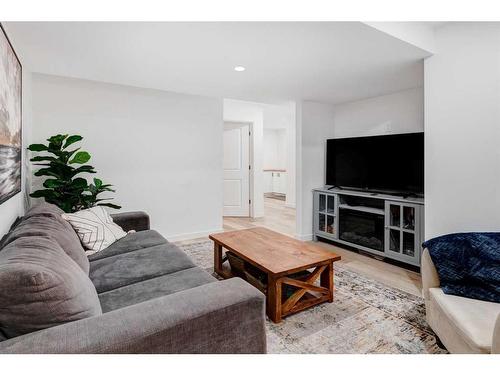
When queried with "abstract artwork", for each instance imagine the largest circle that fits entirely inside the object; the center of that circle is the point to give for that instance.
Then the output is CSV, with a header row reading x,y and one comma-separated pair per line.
x,y
10,120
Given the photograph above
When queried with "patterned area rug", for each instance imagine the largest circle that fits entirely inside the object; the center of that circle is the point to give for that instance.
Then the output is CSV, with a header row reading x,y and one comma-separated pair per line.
x,y
365,317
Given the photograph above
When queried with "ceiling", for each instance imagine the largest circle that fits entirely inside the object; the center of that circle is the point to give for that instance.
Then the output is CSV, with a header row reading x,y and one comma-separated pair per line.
x,y
329,62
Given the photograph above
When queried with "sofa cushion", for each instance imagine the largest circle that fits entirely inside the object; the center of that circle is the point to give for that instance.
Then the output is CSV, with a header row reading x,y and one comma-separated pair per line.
x,y
41,286
55,228
44,209
131,242
154,288
473,319
139,265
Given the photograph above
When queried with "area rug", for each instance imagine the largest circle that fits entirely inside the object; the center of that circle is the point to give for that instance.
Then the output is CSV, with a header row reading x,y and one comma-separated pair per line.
x,y
365,317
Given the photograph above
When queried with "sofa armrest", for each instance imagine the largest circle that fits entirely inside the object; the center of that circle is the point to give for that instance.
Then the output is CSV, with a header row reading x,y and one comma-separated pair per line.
x,y
495,345
135,220
219,317
430,277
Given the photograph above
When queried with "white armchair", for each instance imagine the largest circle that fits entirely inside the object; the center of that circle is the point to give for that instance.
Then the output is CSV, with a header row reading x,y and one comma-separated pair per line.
x,y
464,325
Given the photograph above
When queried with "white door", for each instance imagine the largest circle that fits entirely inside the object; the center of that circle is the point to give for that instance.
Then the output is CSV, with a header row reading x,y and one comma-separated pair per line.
x,y
236,169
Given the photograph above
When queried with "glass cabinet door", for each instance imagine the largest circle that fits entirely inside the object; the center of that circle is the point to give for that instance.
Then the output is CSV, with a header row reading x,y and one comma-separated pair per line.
x,y
322,222
330,224
394,240
330,206
394,215
409,245
322,203
408,218
401,231
326,220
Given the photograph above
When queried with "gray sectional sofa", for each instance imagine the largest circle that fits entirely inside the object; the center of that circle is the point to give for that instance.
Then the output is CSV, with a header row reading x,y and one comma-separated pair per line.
x,y
140,295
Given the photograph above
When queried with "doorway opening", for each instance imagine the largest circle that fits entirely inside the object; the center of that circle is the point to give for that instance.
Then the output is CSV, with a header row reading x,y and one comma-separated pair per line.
x,y
237,168
269,178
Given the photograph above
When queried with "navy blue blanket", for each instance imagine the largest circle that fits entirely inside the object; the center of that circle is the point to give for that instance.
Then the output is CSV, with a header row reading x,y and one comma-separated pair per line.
x,y
468,264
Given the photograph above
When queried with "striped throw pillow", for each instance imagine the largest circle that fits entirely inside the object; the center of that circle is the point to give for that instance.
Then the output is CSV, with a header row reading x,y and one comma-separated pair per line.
x,y
95,228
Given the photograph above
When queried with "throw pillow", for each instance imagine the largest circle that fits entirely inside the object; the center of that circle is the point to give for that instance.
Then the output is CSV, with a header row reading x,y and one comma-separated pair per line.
x,y
41,287
95,228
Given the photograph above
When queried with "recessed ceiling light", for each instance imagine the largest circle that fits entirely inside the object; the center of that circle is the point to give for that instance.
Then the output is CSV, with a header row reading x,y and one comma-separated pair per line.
x,y
239,68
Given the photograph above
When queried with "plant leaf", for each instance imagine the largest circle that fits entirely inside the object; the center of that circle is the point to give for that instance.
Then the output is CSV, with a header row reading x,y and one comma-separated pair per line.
x,y
47,194
78,184
37,147
57,139
38,194
84,169
97,183
53,183
55,142
67,206
43,158
72,139
111,205
80,157
46,172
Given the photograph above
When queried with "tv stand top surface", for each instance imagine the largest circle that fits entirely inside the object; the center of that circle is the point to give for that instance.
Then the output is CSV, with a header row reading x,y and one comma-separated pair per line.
x,y
371,194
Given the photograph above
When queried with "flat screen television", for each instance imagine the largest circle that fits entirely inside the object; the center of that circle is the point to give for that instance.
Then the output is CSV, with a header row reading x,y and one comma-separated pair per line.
x,y
386,163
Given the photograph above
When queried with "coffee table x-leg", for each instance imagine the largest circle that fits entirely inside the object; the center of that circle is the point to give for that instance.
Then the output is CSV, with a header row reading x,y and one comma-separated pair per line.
x,y
308,293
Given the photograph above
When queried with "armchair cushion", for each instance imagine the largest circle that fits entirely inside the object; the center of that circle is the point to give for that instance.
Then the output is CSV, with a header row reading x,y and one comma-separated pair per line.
x,y
473,320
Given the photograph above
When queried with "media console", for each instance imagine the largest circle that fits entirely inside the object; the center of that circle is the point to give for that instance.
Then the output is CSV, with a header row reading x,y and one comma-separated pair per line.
x,y
385,225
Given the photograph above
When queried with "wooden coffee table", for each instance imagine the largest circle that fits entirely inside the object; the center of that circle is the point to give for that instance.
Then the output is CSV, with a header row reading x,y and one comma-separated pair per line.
x,y
280,257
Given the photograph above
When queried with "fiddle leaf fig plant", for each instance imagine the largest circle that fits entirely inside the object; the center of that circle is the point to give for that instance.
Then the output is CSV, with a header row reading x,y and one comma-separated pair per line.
x,y
62,168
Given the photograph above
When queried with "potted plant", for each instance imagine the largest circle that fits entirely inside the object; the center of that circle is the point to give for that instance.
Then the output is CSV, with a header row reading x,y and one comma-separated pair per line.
x,y
63,168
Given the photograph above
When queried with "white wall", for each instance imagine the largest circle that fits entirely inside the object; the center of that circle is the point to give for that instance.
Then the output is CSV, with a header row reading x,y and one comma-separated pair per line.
x,y
162,151
275,148
462,130
400,112
315,124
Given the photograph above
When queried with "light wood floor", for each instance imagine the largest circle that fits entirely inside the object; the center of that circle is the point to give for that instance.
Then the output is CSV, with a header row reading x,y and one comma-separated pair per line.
x,y
277,217
282,219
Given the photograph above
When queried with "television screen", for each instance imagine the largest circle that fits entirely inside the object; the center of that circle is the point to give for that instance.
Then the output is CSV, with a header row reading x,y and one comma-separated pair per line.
x,y
386,163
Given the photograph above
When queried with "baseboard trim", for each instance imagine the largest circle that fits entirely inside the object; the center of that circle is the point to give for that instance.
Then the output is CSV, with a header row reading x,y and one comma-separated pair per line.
x,y
192,235
304,237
